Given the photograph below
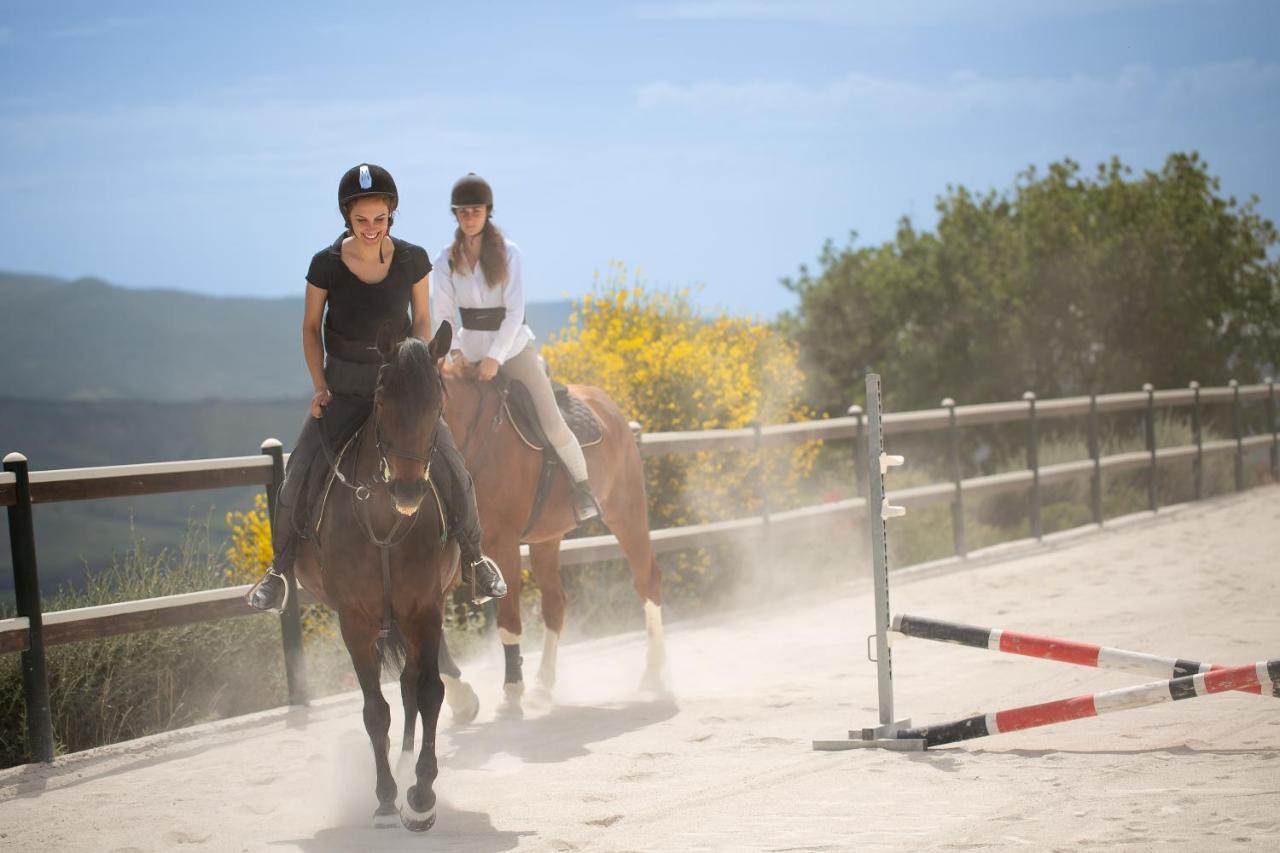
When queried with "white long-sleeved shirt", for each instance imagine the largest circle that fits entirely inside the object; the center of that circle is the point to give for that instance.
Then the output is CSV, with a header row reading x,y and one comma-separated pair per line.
x,y
456,288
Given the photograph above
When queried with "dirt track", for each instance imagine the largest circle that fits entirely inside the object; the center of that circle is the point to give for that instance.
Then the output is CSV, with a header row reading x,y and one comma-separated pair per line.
x,y
725,763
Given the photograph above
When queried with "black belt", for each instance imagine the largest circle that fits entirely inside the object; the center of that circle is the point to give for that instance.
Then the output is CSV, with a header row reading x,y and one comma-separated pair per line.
x,y
483,319
354,349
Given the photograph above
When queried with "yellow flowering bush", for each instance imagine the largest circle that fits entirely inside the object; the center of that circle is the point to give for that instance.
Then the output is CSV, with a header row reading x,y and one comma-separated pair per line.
x,y
249,555
672,368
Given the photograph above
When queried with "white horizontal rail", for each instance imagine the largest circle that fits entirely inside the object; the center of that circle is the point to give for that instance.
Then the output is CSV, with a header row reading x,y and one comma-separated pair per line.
x,y
148,469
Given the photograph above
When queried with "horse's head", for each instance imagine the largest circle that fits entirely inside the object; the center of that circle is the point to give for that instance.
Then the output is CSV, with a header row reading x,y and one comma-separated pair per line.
x,y
407,406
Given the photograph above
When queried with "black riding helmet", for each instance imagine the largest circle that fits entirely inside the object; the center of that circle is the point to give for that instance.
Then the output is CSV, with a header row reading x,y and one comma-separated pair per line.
x,y
471,190
366,179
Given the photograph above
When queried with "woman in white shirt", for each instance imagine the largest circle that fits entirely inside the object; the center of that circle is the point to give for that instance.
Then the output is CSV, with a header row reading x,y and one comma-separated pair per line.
x,y
480,274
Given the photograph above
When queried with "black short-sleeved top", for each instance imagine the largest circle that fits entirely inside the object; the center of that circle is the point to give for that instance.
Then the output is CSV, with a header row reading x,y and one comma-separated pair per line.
x,y
354,309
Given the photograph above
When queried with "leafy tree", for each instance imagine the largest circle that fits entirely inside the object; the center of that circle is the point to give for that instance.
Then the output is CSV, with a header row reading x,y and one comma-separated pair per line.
x,y
1064,284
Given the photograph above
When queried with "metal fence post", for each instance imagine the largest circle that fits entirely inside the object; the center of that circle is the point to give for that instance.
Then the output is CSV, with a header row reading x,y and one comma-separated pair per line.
x,y
1095,453
957,503
1152,501
1237,428
295,661
26,590
1033,462
1197,466
1274,427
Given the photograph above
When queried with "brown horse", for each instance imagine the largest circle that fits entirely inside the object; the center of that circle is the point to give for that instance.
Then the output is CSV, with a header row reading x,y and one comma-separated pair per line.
x,y
506,472
381,560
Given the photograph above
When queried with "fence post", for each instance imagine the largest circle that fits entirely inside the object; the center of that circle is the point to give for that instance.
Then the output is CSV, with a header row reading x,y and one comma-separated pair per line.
x,y
1033,462
1236,427
1274,427
855,411
295,662
762,493
26,591
1197,467
957,503
1095,453
1152,502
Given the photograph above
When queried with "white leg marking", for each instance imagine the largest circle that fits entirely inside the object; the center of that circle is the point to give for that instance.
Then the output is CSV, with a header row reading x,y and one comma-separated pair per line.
x,y
508,638
547,667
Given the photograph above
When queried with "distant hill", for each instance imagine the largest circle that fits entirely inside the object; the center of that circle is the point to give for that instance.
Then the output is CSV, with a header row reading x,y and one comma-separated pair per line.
x,y
89,340
92,374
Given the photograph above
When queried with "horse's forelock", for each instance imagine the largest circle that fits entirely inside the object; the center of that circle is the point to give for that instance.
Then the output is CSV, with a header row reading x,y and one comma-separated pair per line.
x,y
411,377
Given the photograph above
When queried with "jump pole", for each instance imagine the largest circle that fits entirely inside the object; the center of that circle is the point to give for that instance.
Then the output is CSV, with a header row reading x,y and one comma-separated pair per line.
x,y
1050,648
1031,716
890,733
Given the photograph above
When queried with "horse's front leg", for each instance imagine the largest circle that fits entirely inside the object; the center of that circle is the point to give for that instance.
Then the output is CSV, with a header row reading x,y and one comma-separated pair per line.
x,y
361,640
419,811
507,552
462,698
409,698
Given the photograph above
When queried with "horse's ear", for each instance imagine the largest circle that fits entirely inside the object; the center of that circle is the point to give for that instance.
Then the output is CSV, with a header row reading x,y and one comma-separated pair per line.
x,y
387,339
439,346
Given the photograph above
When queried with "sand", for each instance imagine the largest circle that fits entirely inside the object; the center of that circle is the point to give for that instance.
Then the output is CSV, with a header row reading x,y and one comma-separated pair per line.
x,y
725,762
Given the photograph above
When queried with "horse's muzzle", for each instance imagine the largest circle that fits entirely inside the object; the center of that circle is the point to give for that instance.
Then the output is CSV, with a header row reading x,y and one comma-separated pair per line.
x,y
407,495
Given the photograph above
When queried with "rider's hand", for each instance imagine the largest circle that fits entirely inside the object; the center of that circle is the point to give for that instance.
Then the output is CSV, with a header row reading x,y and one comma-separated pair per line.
x,y
321,399
488,369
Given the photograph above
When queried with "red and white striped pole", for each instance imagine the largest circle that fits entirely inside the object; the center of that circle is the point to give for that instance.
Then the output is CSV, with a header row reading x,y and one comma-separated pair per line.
x,y
1049,648
1217,681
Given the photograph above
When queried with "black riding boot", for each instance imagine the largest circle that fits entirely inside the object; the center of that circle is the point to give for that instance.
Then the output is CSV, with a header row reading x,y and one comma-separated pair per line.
x,y
480,575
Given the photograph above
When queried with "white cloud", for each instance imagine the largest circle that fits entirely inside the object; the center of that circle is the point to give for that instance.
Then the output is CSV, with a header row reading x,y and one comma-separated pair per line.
x,y
869,14
964,94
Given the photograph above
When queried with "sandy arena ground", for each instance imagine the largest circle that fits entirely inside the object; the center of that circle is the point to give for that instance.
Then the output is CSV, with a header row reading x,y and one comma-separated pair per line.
x,y
727,763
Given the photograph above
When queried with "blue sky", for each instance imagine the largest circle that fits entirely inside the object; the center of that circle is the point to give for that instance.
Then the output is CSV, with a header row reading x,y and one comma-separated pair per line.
x,y
714,143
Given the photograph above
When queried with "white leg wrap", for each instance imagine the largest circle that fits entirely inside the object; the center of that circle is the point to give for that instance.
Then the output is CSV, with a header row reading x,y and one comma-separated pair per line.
x,y
657,640
547,667
508,638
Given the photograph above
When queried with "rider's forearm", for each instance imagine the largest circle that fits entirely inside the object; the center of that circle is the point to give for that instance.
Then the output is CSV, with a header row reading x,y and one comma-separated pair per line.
x,y
313,352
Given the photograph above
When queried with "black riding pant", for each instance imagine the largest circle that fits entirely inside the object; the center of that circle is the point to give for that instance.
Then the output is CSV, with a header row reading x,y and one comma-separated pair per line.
x,y
352,385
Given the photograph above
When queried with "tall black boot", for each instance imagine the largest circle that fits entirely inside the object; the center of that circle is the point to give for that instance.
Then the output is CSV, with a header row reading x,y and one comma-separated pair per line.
x,y
480,574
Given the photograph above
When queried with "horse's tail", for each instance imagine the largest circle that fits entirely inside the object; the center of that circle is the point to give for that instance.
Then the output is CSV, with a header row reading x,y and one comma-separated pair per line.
x,y
392,649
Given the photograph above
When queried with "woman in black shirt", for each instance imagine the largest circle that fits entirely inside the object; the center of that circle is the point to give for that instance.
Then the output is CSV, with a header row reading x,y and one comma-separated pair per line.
x,y
365,279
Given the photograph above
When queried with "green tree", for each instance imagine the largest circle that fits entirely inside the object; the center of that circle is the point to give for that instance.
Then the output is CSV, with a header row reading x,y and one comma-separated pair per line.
x,y
1063,284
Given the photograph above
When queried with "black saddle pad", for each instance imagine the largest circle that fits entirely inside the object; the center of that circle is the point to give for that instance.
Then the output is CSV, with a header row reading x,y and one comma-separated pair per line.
x,y
578,415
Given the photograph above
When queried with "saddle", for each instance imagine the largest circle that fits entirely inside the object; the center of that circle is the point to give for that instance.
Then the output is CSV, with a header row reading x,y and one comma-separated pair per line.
x,y
583,423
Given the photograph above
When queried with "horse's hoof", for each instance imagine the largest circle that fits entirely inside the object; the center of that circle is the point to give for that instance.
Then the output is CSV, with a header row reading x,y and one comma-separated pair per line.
x,y
466,707
386,816
539,697
509,710
654,684
416,821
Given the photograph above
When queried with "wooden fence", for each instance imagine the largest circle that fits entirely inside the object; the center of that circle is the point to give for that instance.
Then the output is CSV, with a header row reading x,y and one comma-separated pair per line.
x,y
33,629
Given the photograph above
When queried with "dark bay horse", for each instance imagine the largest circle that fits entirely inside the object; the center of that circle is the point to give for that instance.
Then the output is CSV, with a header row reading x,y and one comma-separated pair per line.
x,y
382,562
506,472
